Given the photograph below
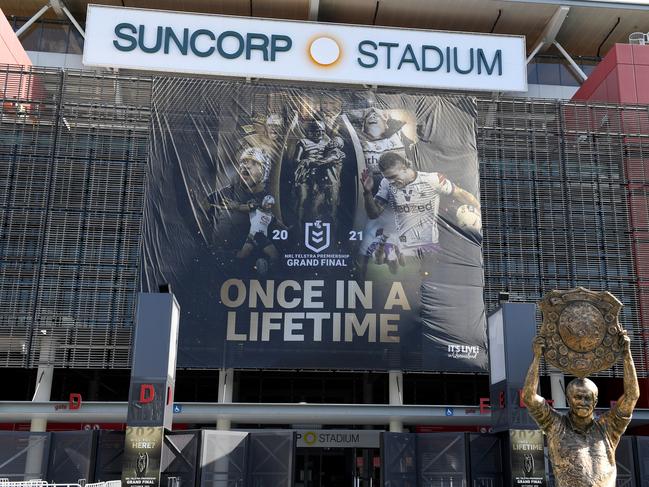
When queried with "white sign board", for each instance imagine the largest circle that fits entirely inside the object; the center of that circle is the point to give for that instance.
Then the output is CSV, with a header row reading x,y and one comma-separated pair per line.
x,y
496,347
306,51
338,438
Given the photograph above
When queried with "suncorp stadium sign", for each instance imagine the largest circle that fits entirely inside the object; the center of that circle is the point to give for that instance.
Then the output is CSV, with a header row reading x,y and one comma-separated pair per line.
x,y
307,51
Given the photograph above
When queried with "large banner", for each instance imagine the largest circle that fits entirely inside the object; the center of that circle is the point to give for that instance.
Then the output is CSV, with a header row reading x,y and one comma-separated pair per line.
x,y
316,229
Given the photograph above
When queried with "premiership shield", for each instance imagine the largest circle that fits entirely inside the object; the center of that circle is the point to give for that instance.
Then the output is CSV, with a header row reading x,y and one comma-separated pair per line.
x,y
581,330
317,236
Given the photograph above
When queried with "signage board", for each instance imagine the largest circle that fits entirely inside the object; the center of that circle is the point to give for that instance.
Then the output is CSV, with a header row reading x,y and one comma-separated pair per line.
x,y
142,456
307,51
527,462
328,229
338,438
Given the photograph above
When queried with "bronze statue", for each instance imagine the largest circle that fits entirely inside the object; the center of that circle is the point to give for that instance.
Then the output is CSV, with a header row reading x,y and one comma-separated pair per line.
x,y
582,448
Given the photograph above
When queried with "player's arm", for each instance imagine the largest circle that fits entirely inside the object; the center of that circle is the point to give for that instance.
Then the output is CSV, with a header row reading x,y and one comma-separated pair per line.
x,y
225,203
530,396
280,224
626,402
373,206
299,152
464,197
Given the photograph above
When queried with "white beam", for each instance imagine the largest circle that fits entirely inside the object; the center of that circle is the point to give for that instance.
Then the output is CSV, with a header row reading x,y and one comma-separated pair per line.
x,y
74,21
57,6
550,31
314,9
571,61
534,52
34,18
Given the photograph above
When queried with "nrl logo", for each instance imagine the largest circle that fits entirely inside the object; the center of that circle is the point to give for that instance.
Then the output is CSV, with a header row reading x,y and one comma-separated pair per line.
x,y
142,463
317,236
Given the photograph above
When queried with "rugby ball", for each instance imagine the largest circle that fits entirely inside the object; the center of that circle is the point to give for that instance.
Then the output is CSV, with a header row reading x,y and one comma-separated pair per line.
x,y
469,218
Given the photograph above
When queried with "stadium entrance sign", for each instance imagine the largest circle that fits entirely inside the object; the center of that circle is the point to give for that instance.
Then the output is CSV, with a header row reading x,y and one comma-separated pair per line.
x,y
307,51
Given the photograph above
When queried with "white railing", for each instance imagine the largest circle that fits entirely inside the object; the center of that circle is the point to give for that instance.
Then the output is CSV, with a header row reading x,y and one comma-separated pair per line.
x,y
640,38
5,482
108,483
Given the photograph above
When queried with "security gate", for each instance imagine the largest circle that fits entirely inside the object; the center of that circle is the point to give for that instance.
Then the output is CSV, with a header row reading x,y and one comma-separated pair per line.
x,y
180,458
110,452
441,459
72,456
23,455
486,461
223,458
247,459
399,460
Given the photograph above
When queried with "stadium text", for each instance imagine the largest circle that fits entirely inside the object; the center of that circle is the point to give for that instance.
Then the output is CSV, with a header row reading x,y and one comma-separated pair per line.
x,y
231,44
201,42
392,55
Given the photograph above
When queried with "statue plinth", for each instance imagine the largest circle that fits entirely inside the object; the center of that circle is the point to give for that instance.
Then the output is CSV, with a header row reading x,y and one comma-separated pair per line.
x,y
581,330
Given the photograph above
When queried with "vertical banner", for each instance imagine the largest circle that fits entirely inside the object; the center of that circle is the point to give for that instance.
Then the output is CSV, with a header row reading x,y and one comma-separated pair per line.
x,y
305,228
527,461
142,454
150,398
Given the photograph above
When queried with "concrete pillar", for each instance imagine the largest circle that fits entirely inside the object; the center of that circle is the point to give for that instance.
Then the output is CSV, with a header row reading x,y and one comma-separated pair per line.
x,y
558,389
225,395
395,378
42,392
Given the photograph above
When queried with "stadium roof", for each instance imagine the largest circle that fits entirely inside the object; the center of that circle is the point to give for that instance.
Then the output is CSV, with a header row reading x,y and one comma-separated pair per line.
x,y
590,27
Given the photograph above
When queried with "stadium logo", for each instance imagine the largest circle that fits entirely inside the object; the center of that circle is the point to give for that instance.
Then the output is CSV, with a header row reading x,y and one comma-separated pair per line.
x,y
528,465
141,464
317,236
310,438
324,51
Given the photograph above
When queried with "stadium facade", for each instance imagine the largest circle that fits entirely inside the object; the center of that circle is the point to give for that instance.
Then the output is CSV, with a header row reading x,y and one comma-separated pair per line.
x,y
100,191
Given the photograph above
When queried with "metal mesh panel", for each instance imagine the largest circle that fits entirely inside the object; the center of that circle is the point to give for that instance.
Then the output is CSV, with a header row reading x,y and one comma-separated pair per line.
x,y
109,457
441,459
73,150
23,455
71,456
180,458
398,459
556,205
564,189
223,460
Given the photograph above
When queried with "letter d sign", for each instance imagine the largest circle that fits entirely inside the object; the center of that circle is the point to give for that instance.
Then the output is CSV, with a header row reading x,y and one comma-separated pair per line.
x,y
74,400
147,393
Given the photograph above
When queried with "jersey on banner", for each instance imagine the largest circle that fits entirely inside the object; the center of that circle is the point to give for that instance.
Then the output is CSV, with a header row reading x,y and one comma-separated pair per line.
x,y
317,229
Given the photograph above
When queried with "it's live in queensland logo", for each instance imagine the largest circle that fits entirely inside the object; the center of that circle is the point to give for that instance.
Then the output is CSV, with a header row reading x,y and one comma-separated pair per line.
x,y
317,238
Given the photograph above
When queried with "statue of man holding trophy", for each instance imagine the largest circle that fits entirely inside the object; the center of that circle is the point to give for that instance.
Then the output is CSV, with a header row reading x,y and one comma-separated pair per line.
x,y
581,335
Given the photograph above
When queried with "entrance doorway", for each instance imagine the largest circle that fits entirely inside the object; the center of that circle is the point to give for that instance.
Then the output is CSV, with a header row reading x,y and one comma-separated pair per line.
x,y
337,467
